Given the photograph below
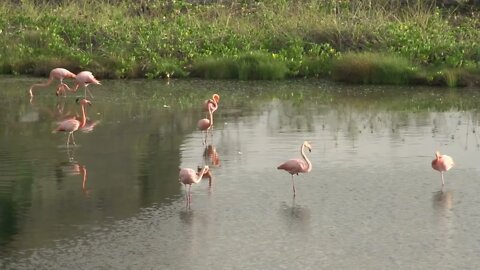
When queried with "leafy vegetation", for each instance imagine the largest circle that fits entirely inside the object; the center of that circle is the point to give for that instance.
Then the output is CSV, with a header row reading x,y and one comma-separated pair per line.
x,y
400,41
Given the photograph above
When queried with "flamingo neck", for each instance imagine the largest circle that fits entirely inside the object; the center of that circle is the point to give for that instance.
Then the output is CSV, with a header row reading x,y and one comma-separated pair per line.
x,y
210,115
199,176
84,117
306,158
47,83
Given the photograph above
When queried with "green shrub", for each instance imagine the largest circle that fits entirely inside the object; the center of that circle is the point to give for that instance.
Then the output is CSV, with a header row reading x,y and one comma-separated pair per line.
x,y
372,68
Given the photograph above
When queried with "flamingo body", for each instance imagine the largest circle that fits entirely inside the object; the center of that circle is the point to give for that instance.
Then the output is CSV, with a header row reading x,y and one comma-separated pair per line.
x,y
296,166
204,124
85,78
55,74
442,163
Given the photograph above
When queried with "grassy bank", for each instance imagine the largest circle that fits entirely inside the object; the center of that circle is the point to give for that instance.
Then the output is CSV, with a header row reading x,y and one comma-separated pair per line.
x,y
352,41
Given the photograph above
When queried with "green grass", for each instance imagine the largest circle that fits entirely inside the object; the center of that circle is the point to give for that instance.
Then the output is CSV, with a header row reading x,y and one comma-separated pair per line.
x,y
373,68
241,39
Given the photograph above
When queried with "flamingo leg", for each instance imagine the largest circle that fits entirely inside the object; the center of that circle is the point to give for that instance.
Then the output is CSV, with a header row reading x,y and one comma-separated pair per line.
x,y
68,139
293,185
73,139
186,195
443,181
90,93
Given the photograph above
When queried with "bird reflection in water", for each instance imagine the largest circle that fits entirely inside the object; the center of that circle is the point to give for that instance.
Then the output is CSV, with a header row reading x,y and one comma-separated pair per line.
x,y
442,201
73,168
211,156
295,215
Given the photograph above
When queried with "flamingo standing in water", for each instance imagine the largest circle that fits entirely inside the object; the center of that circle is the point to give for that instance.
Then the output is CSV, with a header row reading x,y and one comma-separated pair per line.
x,y
213,102
442,163
55,74
188,177
73,124
84,79
296,166
206,124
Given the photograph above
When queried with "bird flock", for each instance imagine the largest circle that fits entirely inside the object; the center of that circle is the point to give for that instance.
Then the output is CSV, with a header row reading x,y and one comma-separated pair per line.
x,y
187,176
69,124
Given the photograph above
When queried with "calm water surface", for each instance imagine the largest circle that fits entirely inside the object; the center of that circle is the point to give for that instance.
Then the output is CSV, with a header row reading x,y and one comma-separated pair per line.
x,y
113,201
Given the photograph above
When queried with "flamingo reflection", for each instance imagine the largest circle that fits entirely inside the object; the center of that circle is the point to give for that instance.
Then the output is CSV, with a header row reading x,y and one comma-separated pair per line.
x,y
74,168
210,154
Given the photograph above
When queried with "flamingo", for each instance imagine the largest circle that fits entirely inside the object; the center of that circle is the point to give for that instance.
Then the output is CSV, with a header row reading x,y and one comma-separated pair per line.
x,y
442,163
296,166
213,102
188,177
55,74
84,79
206,124
71,125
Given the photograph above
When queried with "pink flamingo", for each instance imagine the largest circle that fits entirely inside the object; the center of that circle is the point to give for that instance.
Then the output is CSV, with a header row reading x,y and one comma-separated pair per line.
x,y
213,102
84,79
296,166
442,163
55,74
206,124
188,177
73,124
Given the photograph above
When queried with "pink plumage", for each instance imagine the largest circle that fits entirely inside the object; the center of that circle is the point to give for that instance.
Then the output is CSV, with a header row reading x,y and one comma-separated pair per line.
x,y
442,163
206,124
296,166
188,177
85,78
55,74
212,103
71,125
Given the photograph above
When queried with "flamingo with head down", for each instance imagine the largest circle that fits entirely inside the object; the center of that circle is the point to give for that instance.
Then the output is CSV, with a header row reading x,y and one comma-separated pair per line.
x,y
296,166
188,177
55,74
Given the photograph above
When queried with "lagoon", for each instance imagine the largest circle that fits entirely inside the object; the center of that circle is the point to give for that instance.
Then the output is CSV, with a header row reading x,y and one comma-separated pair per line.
x,y
372,200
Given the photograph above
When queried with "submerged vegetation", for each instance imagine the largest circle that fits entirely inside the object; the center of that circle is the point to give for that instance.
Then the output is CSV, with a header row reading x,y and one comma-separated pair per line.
x,y
361,41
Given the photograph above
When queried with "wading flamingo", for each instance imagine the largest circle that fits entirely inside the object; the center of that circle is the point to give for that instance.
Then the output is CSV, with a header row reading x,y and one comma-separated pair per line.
x,y
73,124
84,79
296,166
213,102
188,177
55,74
206,124
442,163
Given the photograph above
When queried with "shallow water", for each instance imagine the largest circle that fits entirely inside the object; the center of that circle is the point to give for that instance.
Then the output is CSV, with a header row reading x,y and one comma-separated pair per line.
x,y
113,201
